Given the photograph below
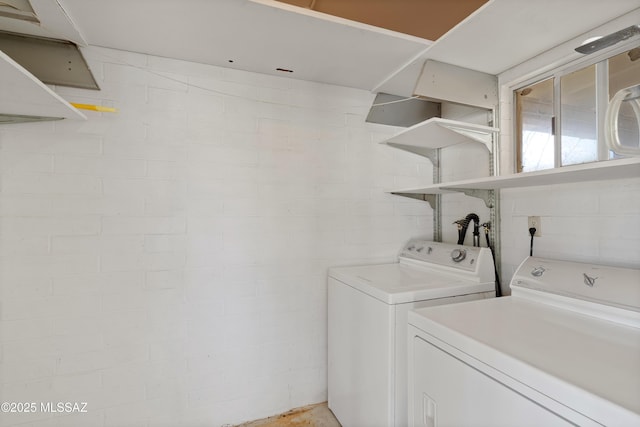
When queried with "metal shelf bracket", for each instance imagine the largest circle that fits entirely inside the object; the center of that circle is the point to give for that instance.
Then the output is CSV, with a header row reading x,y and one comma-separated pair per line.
x,y
482,138
429,153
429,198
488,196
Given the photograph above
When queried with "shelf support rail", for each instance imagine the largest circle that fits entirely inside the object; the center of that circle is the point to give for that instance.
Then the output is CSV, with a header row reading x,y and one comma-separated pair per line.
x,y
436,205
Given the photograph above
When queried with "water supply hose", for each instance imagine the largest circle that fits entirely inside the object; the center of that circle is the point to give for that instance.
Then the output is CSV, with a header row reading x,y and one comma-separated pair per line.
x,y
487,227
463,224
462,230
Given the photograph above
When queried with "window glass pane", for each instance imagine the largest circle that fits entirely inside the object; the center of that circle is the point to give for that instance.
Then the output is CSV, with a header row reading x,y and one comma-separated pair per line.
x,y
534,107
624,72
579,142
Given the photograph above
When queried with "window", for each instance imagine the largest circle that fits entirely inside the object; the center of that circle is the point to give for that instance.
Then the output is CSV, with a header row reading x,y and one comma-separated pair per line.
x,y
534,107
624,76
578,117
560,118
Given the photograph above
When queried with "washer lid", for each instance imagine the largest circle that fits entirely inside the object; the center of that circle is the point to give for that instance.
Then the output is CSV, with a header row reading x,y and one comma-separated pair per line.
x,y
399,283
588,364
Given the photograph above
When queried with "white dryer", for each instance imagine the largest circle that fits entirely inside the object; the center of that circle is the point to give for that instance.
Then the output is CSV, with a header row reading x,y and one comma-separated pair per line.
x,y
367,331
563,349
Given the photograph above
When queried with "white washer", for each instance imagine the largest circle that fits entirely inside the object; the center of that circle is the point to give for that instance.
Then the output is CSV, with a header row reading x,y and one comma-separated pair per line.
x,y
367,331
564,349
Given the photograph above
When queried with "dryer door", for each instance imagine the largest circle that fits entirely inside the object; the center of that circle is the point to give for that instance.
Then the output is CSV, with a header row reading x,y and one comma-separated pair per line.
x,y
447,392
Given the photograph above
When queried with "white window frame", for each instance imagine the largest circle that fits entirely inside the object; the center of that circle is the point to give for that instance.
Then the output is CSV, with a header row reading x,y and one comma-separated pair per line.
x,y
602,96
561,58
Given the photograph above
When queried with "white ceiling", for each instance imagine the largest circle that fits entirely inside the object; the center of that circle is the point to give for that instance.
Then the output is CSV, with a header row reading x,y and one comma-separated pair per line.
x,y
258,36
262,35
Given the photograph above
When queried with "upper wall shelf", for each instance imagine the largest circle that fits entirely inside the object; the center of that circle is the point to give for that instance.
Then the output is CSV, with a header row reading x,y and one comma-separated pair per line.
x,y
438,133
504,33
597,171
25,98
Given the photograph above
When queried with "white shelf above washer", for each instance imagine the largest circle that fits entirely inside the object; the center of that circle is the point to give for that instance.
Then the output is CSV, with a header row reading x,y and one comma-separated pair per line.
x,y
437,133
25,96
596,171
479,187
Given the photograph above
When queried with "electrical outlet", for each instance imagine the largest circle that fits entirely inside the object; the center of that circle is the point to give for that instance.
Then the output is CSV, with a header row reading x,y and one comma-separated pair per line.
x,y
534,221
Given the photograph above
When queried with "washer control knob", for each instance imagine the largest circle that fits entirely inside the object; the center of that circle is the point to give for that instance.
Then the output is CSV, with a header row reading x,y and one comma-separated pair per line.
x,y
537,271
458,255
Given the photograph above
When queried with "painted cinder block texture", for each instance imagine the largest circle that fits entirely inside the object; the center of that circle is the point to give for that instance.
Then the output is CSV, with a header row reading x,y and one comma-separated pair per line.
x,y
167,263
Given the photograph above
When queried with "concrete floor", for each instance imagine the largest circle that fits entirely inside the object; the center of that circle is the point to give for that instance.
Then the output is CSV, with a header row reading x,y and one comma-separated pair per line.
x,y
317,415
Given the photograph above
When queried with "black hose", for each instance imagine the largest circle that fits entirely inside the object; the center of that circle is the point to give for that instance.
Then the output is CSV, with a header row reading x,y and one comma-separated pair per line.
x,y
476,230
462,231
493,256
463,224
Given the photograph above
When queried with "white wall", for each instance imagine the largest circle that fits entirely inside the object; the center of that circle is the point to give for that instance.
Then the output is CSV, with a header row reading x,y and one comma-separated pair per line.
x,y
167,264
459,162
595,222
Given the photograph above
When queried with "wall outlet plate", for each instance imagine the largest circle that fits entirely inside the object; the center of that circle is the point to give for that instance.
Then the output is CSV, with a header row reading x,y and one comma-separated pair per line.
x,y
534,221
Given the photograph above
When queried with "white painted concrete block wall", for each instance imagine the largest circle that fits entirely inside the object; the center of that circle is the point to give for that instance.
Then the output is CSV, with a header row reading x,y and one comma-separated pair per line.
x,y
464,161
586,222
459,162
595,222
167,264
